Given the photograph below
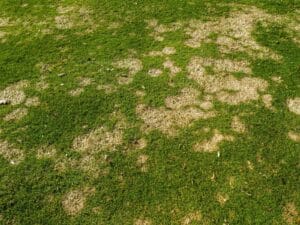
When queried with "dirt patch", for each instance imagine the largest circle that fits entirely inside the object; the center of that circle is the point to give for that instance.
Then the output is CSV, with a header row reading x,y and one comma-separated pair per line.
x,y
290,214
74,201
191,218
226,87
179,112
10,153
237,125
32,102
234,32
16,115
294,105
142,162
142,222
14,93
294,136
213,144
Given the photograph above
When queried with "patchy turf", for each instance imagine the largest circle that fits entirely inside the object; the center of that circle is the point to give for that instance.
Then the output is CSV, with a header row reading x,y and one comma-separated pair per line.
x,y
149,112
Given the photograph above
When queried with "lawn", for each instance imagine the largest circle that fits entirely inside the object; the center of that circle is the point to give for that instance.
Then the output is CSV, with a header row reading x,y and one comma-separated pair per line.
x,y
149,112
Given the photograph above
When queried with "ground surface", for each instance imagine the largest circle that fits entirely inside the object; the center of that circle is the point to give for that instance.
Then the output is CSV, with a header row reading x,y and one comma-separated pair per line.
x,y
149,112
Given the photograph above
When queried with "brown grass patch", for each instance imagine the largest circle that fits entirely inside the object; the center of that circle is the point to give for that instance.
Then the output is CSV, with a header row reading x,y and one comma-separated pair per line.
x,y
98,140
222,198
294,105
290,214
32,102
16,115
237,125
294,136
142,162
179,112
234,32
133,66
191,218
212,145
74,201
226,88
76,92
10,153
154,72
168,64
46,152
107,88
14,93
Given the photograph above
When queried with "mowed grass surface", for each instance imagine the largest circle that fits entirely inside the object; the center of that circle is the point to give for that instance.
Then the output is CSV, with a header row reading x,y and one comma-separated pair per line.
x,y
99,130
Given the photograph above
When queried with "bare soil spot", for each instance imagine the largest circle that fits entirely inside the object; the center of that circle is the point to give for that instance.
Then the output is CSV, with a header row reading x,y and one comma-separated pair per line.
x,y
294,105
291,214
74,201
212,145
294,136
16,115
10,153
191,218
14,93
237,125
179,112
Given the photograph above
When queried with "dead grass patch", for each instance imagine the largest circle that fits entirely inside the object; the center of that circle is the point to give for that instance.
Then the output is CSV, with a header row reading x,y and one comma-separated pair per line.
x,y
237,125
213,144
133,66
16,115
191,218
234,32
32,102
170,65
290,214
76,92
14,93
227,88
10,153
158,30
154,72
294,105
107,88
179,112
294,136
142,222
222,198
74,201
142,162
46,152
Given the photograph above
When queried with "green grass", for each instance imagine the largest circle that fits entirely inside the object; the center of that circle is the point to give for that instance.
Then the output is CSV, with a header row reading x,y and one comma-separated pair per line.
x,y
178,180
